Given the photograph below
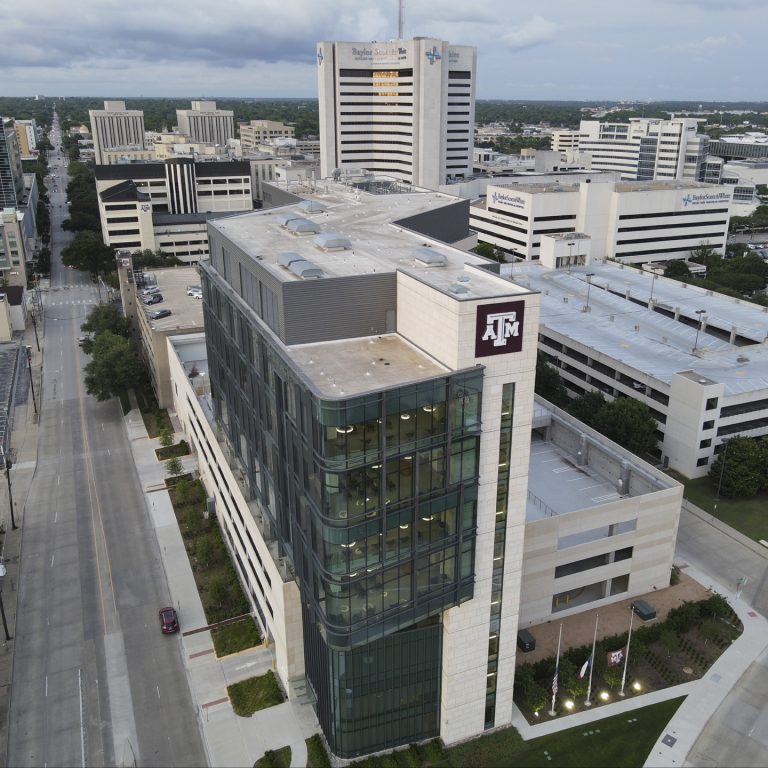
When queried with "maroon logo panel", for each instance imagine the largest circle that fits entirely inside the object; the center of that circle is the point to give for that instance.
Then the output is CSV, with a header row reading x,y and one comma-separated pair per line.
x,y
499,328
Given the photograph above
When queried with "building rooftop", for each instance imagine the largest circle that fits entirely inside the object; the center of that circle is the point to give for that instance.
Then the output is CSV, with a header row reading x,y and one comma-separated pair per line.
x,y
187,310
375,226
561,481
620,326
351,367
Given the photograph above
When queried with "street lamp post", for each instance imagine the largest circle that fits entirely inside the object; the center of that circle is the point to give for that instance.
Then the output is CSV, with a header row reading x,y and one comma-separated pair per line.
x,y
31,383
3,571
34,325
699,312
7,462
589,277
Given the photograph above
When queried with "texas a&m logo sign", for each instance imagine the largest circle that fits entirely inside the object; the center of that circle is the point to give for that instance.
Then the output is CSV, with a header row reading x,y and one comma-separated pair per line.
x,y
499,328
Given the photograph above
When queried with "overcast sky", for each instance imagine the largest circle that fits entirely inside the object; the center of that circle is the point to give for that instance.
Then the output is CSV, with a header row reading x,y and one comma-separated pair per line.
x,y
707,50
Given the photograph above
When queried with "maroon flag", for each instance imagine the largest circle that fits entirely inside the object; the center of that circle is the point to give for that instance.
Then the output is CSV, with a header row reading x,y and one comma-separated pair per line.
x,y
616,657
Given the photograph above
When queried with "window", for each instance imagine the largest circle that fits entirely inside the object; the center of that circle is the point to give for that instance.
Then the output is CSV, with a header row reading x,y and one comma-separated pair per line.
x,y
703,462
711,403
708,425
705,443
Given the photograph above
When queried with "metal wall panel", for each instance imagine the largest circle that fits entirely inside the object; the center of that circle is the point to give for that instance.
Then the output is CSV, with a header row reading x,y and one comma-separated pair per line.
x,y
338,308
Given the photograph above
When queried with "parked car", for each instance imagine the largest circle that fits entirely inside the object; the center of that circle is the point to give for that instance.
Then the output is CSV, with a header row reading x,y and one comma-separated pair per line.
x,y
154,298
193,289
161,313
169,621
149,290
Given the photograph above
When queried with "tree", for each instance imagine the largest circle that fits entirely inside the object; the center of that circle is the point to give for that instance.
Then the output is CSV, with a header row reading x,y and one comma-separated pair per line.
x,y
549,385
586,407
739,471
677,270
107,317
629,423
490,252
174,467
166,437
115,367
88,253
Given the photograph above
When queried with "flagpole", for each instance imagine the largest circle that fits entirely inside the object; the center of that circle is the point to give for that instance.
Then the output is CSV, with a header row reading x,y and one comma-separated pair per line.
x,y
588,703
552,712
626,655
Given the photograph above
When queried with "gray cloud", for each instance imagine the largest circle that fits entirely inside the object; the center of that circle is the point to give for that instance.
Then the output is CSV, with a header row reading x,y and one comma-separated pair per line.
x,y
556,48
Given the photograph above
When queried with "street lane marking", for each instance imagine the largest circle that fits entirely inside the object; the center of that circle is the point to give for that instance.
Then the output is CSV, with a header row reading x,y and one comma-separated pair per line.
x,y
158,691
52,556
46,686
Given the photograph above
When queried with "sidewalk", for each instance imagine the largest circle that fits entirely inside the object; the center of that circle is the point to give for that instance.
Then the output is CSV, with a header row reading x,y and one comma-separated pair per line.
x,y
24,445
229,740
703,696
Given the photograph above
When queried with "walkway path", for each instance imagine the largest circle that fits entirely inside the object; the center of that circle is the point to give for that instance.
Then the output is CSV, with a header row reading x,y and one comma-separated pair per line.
x,y
230,740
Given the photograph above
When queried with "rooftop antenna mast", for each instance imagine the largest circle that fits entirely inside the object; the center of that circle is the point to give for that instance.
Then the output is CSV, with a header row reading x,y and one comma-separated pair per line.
x,y
400,19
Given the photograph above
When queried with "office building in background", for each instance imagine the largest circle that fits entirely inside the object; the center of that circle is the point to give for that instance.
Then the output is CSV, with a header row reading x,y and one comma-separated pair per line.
x,y
404,108
205,123
116,127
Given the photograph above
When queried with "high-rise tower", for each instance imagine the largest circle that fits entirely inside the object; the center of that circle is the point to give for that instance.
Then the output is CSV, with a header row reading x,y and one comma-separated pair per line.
x,y
403,108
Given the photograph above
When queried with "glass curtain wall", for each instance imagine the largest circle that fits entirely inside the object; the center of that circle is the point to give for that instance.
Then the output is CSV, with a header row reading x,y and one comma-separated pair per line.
x,y
499,544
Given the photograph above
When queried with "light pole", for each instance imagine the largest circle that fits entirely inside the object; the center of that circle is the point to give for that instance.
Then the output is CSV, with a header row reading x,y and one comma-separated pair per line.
x,y
7,462
722,469
34,325
31,383
3,571
699,312
589,277
653,283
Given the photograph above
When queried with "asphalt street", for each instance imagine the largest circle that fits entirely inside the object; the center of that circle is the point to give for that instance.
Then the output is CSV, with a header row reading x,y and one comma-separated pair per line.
x,y
95,681
737,734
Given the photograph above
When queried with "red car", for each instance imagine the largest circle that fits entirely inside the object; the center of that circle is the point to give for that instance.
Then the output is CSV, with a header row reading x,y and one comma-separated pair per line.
x,y
169,621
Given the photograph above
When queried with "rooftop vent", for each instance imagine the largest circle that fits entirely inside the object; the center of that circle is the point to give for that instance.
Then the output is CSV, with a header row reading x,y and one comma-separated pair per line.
x,y
284,218
302,226
458,288
312,206
305,269
329,241
288,257
428,255
742,359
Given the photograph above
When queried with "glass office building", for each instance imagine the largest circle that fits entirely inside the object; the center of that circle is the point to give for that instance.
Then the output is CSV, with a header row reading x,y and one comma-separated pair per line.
x,y
373,500
365,382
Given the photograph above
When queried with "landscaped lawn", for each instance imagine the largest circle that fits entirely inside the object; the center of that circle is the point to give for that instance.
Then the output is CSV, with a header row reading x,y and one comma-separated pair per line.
x,y
255,693
220,591
615,742
621,740
179,449
275,758
745,515
232,638
317,757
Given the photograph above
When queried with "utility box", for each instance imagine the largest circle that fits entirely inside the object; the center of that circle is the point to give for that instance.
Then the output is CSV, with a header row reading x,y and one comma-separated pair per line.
x,y
644,610
525,641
